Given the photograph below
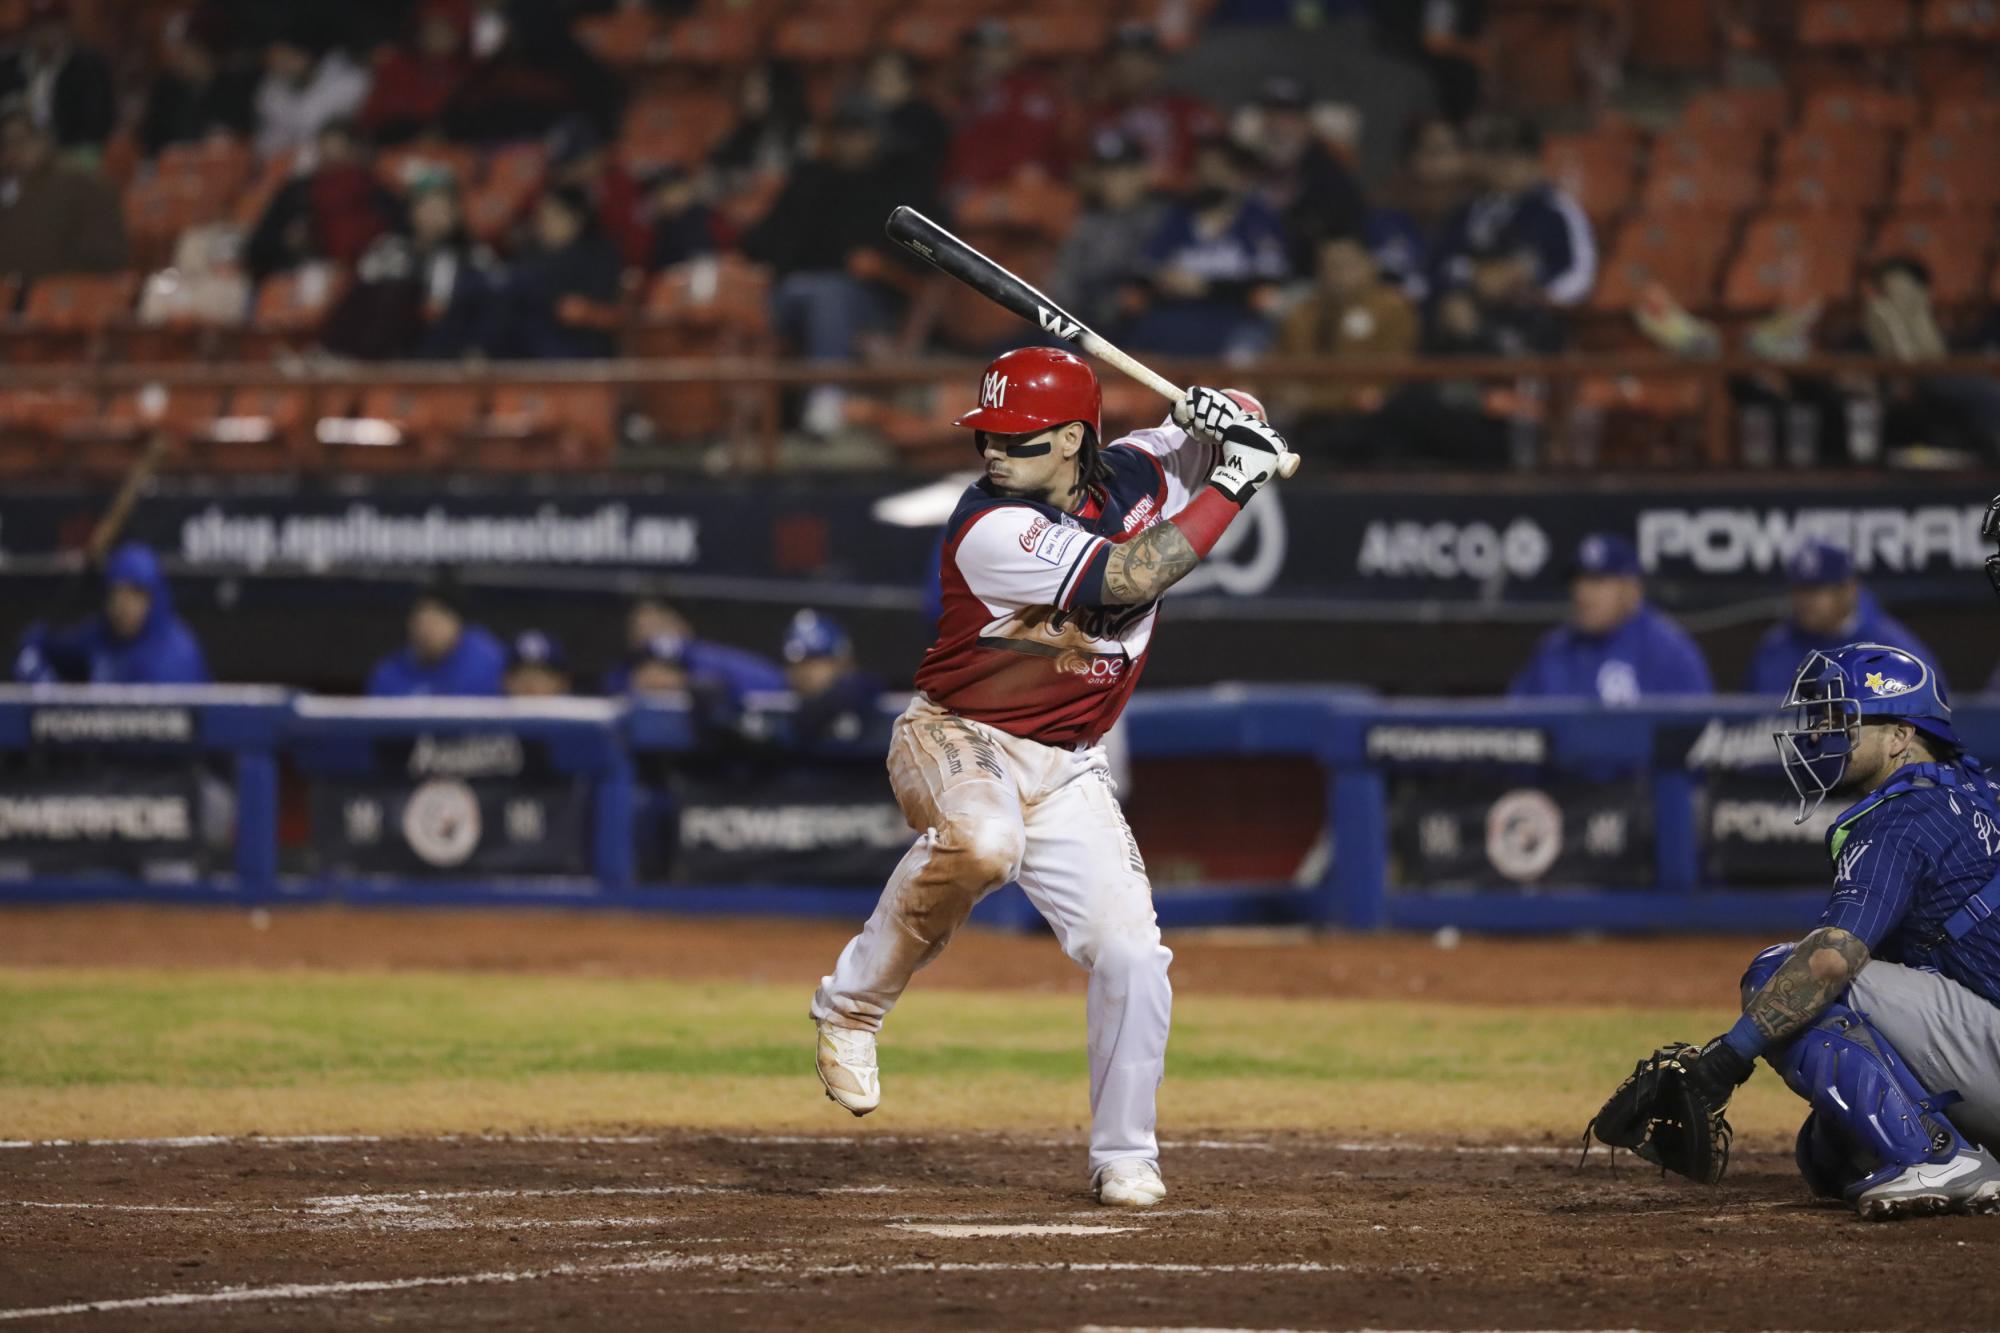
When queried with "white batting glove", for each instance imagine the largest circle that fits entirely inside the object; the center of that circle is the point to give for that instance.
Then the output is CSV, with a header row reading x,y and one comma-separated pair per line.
x,y
1208,412
1250,454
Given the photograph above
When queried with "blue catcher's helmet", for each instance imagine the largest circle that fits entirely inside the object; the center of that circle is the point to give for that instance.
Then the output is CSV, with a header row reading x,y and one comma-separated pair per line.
x,y
1834,693
813,635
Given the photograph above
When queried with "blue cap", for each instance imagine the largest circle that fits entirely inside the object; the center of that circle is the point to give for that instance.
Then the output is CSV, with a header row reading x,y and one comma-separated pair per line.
x,y
1605,554
533,647
671,649
813,635
1818,563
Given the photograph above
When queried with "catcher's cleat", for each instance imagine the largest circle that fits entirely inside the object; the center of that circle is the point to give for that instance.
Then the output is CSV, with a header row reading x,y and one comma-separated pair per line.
x,y
846,1060
1966,1183
1134,1183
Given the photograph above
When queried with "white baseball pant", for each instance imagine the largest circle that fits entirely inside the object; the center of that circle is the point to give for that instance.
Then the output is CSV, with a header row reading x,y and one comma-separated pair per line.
x,y
992,808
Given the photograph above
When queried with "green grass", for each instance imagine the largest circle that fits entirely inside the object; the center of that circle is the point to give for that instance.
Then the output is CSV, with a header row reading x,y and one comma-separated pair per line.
x,y
125,1051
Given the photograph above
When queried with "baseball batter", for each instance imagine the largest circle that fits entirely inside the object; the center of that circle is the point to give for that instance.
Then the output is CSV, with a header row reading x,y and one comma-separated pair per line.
x,y
1053,567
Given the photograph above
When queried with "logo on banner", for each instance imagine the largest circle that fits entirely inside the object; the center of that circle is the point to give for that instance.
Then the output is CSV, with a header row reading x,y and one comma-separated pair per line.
x,y
441,822
1524,834
1458,745
1724,540
491,755
1411,549
101,725
1724,744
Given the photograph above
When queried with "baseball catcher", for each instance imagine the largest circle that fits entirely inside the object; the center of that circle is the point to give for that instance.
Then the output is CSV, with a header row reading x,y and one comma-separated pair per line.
x,y
1886,1018
1053,566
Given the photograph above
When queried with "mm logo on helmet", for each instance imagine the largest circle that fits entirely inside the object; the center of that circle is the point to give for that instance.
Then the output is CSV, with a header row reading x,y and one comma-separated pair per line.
x,y
1884,686
993,391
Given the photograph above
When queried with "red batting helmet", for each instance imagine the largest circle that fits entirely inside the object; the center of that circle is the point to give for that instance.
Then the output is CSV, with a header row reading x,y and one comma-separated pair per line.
x,y
1034,388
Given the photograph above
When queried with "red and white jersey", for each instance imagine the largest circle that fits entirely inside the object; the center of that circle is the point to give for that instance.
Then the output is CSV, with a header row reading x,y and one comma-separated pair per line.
x,y
1025,642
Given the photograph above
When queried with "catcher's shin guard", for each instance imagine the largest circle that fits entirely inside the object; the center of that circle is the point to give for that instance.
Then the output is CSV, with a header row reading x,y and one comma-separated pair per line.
x,y
1859,1087
1827,1160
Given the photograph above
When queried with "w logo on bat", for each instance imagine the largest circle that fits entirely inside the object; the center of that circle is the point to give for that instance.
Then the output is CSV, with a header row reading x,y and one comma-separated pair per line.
x,y
1058,323
993,391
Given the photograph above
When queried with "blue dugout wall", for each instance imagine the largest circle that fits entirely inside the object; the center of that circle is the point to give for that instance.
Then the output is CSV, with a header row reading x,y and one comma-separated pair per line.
x,y
1486,815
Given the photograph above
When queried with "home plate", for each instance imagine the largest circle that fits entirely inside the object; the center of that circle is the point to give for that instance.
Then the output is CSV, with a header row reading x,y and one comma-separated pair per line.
x,y
958,1230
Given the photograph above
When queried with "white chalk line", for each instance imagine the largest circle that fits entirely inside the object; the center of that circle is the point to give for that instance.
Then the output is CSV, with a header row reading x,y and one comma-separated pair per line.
x,y
122,1207
995,1230
660,1263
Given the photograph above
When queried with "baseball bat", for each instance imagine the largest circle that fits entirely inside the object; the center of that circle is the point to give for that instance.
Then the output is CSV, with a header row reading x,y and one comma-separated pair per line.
x,y
949,254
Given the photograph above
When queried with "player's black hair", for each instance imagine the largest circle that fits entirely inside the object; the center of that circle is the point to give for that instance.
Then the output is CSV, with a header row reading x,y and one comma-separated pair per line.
x,y
1091,469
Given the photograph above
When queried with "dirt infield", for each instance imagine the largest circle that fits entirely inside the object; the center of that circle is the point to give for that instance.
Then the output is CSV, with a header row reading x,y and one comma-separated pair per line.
x,y
713,1232
1639,973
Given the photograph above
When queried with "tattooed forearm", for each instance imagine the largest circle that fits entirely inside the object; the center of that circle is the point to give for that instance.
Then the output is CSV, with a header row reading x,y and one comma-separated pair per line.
x,y
1818,970
1152,562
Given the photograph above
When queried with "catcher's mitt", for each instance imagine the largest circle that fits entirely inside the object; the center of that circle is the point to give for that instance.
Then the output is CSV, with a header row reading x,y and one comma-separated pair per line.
x,y
1658,1114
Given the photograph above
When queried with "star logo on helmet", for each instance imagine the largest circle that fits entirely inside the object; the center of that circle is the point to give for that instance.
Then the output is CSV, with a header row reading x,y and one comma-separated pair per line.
x,y
1882,684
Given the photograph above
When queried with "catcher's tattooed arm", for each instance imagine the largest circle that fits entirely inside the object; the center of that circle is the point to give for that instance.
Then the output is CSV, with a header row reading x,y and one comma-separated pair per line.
x,y
1139,570
1800,990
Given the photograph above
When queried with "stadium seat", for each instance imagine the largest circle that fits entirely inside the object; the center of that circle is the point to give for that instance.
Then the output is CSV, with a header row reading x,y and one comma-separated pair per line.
x,y
1854,22
1715,188
290,308
1599,171
1829,170
431,419
1962,20
1787,260
970,322
718,307
1740,109
1681,254
533,429
1534,56
1959,187
823,35
1962,111
1031,203
724,39
1693,147
159,208
1061,34
628,35
673,127
1953,246
221,163
927,33
1674,37
1845,107
1969,161
67,316
260,430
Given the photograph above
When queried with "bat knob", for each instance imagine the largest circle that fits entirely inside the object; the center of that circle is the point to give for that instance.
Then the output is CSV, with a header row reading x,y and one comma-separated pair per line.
x,y
1288,465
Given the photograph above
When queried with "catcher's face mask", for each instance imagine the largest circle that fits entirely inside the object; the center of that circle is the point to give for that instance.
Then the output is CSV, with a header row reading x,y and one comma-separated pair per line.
x,y
1826,726
1990,529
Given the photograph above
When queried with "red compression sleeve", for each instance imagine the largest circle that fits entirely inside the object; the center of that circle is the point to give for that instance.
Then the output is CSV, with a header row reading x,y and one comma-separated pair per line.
x,y
1204,519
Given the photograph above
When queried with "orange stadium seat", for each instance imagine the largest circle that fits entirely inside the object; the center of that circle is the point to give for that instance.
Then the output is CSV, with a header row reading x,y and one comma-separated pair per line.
x,y
1962,20
1956,187
1843,107
1674,37
290,308
431,419
972,323
1788,260
1031,203
1717,188
1698,146
717,39
717,307
261,430
821,35
1534,55
1760,109
67,316
187,413
629,35
1599,171
160,208
1967,159
673,127
1061,34
1963,111
928,33
1854,22
1953,246
530,429
1680,254
221,163
1852,150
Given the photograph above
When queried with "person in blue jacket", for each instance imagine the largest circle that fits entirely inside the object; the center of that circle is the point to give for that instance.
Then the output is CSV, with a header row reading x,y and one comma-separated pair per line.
x,y
1829,608
1520,211
650,621
837,700
135,640
1615,649
443,654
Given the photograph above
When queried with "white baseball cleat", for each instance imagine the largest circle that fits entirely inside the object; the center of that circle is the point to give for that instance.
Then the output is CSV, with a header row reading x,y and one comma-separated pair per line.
x,y
1968,1183
1133,1183
847,1068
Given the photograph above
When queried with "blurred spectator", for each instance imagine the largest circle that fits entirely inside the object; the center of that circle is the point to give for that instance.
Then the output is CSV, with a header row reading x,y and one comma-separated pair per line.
x,y
649,621
1012,118
836,699
1615,649
558,300
1166,125
915,133
306,88
442,655
530,74
581,157
53,219
1351,313
1309,185
333,212
1100,257
416,81
419,292
683,227
770,117
658,666
135,640
1443,36
1429,188
1518,209
1957,413
537,667
199,91
1497,311
1215,262
823,235
65,85
1829,608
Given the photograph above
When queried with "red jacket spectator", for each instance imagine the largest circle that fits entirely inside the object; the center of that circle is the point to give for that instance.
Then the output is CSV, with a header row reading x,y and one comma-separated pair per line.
x,y
1165,125
1012,118
335,212
414,83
